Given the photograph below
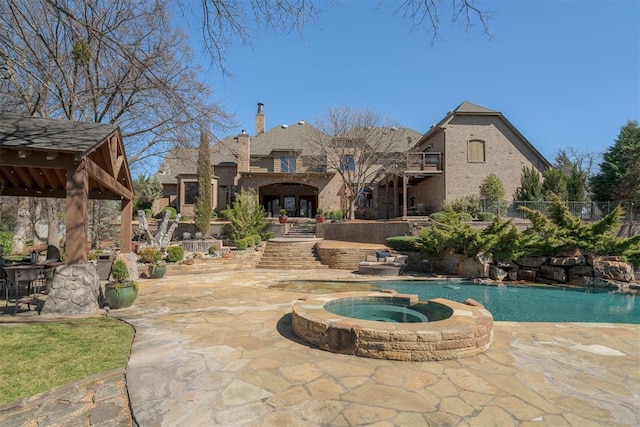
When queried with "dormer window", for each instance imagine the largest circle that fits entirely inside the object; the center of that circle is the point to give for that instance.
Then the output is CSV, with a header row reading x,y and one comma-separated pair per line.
x,y
348,163
287,164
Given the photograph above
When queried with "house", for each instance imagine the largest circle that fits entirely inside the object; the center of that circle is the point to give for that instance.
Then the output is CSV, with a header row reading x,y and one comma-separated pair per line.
x,y
452,159
287,170
284,164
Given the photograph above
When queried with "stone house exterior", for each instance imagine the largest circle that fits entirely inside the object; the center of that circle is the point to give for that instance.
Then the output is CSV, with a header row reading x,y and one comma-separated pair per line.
x,y
447,162
453,158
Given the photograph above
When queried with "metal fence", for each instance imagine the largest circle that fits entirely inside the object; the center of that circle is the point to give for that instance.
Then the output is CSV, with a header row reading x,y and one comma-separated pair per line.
x,y
588,211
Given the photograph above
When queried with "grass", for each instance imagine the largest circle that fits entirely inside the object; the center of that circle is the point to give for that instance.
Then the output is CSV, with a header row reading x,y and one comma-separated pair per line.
x,y
36,358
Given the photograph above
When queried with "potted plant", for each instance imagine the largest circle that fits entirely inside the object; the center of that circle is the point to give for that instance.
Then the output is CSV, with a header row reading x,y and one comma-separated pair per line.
x,y
283,216
320,217
121,292
156,266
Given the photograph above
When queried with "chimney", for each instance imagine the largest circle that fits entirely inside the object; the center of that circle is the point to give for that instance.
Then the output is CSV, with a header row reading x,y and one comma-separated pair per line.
x,y
260,119
244,151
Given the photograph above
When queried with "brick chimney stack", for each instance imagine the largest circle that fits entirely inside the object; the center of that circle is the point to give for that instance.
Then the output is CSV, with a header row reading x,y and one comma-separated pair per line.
x,y
244,151
260,119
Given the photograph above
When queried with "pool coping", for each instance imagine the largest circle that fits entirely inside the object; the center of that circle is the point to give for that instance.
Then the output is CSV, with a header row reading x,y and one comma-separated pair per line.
x,y
467,332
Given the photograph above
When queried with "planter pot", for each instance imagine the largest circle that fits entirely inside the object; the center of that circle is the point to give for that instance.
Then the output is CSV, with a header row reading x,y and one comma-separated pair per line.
x,y
282,219
320,218
157,271
120,297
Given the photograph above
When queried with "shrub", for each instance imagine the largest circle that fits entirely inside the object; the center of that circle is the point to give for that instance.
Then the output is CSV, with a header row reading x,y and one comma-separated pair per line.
x,y
6,242
119,271
403,243
319,211
283,212
469,204
175,253
268,235
212,250
465,216
242,244
250,241
486,216
337,214
150,255
438,216
214,214
256,239
171,209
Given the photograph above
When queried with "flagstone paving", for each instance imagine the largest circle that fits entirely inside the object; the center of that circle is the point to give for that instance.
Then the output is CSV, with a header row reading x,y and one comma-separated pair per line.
x,y
219,350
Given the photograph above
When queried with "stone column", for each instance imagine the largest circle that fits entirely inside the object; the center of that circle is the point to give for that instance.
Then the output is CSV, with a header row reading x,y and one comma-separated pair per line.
x,y
74,289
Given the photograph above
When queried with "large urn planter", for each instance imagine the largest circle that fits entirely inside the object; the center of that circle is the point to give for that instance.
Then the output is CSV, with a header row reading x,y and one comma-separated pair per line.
x,y
157,271
282,219
121,295
122,292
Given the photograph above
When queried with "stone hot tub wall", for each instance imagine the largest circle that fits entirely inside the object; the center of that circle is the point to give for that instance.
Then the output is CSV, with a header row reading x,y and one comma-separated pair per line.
x,y
469,331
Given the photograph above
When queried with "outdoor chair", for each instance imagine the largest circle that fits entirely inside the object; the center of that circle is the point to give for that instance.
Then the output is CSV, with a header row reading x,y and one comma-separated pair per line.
x,y
198,236
186,236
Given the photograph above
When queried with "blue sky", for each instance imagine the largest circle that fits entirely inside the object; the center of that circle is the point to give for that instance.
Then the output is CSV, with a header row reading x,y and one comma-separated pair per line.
x,y
565,73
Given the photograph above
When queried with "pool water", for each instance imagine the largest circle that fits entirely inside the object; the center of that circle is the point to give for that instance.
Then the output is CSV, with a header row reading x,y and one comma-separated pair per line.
x,y
506,303
531,303
376,312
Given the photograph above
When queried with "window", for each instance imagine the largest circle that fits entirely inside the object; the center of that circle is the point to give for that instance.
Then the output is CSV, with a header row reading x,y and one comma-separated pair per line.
x,y
287,164
190,193
365,198
348,163
475,151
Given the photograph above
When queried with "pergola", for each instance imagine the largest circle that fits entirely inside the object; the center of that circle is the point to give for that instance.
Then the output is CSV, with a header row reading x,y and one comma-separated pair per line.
x,y
42,157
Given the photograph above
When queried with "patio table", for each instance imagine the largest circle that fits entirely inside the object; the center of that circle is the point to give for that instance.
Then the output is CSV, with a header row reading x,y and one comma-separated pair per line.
x,y
20,274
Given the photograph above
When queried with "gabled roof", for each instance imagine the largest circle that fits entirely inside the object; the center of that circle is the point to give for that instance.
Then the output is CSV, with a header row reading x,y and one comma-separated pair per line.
x,y
300,137
36,152
468,109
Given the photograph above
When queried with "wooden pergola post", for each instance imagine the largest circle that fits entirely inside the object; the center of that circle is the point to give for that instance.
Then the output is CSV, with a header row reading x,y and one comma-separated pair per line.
x,y
126,234
77,218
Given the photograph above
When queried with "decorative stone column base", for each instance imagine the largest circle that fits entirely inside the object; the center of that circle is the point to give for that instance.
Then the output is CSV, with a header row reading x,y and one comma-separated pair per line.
x,y
75,289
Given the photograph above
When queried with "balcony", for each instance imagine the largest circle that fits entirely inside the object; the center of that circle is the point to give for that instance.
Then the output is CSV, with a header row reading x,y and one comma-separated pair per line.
x,y
423,162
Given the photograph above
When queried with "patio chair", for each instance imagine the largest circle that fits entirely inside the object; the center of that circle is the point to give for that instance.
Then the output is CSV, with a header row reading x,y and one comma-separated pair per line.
x,y
187,236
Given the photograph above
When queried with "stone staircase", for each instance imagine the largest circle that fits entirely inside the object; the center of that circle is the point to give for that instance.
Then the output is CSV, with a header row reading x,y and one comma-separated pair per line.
x,y
301,230
289,253
236,261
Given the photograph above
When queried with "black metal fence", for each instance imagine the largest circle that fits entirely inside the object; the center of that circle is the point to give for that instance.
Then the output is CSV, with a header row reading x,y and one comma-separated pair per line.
x,y
588,211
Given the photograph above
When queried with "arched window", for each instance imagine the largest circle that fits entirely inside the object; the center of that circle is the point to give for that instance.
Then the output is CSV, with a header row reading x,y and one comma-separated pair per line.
x,y
475,151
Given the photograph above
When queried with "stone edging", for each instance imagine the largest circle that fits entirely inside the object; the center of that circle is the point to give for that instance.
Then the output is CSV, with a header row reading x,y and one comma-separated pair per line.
x,y
469,331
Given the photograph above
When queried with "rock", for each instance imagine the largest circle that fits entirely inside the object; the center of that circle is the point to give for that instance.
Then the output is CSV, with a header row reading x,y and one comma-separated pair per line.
x,y
527,275
471,267
472,302
582,281
614,270
532,262
557,274
593,258
579,271
567,261
569,252
512,274
496,273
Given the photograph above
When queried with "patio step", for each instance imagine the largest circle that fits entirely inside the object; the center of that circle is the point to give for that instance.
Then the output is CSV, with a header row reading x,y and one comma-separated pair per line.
x,y
291,254
301,229
237,261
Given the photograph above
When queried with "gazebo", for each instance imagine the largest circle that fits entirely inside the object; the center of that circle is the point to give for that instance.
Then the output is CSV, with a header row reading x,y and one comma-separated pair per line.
x,y
42,157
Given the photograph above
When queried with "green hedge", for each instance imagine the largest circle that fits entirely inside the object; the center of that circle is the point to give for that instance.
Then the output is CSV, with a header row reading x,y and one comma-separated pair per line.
x,y
403,243
242,244
175,253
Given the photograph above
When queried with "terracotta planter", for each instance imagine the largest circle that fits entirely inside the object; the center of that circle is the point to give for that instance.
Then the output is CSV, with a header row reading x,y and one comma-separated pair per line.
x,y
282,219
120,296
320,218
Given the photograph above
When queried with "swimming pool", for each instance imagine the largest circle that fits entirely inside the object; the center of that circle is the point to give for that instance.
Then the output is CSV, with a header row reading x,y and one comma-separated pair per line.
x,y
507,303
532,303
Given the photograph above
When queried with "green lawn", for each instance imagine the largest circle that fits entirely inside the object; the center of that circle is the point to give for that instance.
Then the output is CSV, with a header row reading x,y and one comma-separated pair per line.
x,y
38,357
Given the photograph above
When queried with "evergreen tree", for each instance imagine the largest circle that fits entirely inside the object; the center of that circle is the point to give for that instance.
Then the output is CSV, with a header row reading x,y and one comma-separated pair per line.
x,y
530,189
554,183
202,209
492,193
246,216
619,176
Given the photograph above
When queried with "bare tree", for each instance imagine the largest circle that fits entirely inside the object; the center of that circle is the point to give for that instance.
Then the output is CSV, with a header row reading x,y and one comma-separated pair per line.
x,y
224,21
359,146
104,61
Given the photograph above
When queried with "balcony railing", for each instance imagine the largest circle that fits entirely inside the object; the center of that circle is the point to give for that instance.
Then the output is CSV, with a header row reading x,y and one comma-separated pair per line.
x,y
424,162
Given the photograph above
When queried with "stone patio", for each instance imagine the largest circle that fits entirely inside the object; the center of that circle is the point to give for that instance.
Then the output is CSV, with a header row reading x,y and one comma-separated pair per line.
x,y
219,350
